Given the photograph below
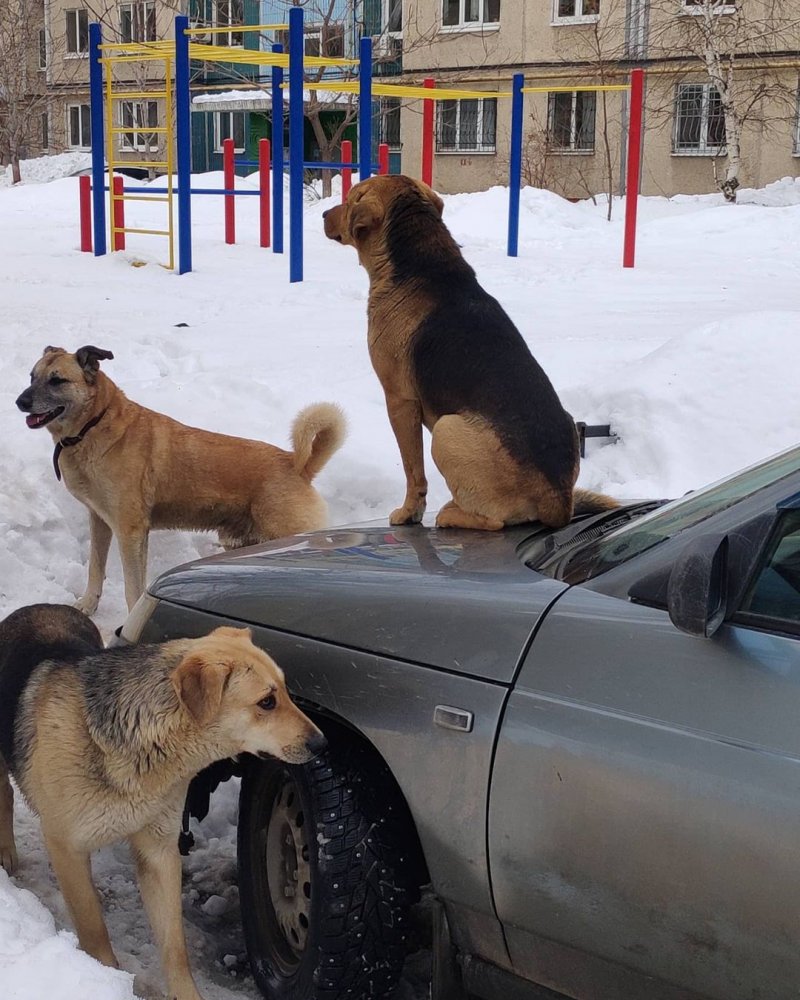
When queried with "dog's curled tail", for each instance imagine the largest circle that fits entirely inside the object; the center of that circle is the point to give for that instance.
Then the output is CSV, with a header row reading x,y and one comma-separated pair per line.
x,y
317,432
587,502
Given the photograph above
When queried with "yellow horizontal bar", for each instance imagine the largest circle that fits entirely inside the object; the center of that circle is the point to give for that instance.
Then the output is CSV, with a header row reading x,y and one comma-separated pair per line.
x,y
400,90
144,57
235,29
149,129
577,86
141,232
141,197
114,164
126,95
136,46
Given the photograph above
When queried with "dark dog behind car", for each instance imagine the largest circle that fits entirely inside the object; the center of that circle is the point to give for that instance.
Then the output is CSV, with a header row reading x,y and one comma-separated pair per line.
x,y
449,357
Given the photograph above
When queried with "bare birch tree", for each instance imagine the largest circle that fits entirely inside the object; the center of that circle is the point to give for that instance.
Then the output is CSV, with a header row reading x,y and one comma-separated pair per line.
x,y
734,41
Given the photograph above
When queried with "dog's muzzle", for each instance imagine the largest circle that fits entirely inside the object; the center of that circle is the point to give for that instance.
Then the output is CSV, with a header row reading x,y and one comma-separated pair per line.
x,y
25,401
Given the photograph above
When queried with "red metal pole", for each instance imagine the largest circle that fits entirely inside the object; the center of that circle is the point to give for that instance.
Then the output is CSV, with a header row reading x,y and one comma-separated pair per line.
x,y
634,165
347,173
85,195
427,136
264,160
383,158
229,175
118,214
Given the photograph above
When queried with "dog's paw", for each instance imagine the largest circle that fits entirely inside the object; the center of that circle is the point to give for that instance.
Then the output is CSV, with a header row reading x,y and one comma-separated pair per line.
x,y
8,857
406,515
87,604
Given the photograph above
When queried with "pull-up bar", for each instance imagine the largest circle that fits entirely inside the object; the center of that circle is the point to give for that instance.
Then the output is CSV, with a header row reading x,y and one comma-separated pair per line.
x,y
636,90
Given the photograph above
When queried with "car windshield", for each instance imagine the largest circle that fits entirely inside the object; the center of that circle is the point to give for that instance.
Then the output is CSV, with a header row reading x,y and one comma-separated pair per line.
x,y
651,529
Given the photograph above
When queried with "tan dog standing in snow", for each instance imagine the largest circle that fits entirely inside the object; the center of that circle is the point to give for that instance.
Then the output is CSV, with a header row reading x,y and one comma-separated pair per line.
x,y
137,470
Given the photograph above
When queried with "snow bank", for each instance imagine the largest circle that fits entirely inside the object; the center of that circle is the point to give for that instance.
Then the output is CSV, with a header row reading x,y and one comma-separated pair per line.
x,y
38,962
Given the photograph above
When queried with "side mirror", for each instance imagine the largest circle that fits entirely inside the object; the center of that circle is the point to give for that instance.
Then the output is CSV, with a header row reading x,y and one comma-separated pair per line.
x,y
697,590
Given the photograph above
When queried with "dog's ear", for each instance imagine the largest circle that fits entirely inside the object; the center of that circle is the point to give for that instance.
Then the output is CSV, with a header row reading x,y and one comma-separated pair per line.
x,y
54,350
199,685
89,359
367,214
228,632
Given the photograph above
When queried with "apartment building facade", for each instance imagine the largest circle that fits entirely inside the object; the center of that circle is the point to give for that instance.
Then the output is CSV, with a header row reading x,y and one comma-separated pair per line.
x,y
574,140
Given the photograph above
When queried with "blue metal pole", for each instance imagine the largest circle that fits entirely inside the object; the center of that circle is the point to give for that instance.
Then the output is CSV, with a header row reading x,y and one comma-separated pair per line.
x,y
365,109
296,121
183,108
515,164
277,155
98,144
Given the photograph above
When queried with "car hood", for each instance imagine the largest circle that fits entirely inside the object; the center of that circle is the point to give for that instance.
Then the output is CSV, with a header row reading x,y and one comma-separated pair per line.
x,y
457,600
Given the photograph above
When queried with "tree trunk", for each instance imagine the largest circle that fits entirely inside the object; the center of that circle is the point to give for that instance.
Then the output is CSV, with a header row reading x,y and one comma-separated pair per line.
x,y
16,175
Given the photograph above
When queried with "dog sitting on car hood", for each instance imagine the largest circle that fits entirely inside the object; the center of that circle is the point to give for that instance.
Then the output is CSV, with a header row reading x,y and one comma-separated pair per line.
x,y
136,470
449,357
103,744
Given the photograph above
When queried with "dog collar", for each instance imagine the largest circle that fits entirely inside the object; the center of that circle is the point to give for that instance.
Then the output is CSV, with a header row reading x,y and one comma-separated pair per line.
x,y
72,441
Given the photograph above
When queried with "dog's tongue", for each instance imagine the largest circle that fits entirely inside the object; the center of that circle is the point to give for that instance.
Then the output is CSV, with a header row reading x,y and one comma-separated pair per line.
x,y
35,419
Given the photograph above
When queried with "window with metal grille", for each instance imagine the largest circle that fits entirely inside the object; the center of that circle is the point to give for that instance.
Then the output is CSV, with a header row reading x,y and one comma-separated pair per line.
x,y
229,125
138,116
699,121
45,130
570,121
42,49
137,21
467,126
79,126
77,32
228,13
470,13
390,122
575,10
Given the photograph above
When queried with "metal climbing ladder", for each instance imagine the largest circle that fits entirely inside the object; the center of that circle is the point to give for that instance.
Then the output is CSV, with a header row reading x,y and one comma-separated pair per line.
x,y
111,56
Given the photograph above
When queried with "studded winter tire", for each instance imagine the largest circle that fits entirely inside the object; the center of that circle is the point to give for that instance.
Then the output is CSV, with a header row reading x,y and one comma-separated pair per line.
x,y
321,879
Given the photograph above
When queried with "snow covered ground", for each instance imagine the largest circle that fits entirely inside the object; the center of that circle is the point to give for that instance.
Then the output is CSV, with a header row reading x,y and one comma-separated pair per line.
x,y
691,358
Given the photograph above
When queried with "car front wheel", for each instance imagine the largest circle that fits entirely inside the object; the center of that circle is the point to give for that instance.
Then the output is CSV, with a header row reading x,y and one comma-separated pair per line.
x,y
321,880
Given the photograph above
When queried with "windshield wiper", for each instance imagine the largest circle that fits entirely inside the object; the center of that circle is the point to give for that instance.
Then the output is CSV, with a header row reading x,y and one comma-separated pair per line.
x,y
551,554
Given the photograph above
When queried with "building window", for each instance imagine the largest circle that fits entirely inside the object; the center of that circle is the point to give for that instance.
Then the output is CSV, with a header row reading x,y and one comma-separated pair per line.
x,y
42,49
45,130
229,125
468,126
716,6
77,32
392,16
570,121
470,13
227,13
699,121
318,40
79,126
573,11
137,21
138,116
390,123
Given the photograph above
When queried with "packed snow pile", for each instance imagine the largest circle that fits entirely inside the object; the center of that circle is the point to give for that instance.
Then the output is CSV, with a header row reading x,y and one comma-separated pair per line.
x,y
48,168
690,357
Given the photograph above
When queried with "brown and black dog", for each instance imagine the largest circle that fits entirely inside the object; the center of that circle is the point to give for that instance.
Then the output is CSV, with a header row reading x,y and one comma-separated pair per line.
x,y
104,742
450,358
137,470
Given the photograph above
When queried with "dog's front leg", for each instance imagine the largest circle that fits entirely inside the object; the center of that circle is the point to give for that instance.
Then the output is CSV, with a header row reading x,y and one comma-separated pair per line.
x,y
100,535
8,848
74,873
405,416
133,553
158,866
